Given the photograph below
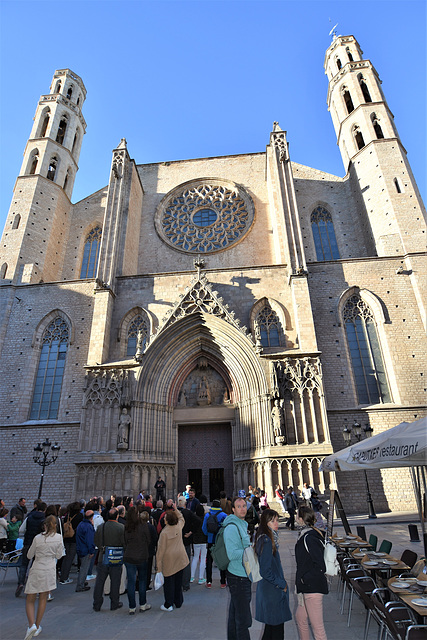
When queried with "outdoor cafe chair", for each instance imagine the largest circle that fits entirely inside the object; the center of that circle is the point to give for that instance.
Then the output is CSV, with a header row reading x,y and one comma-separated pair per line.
x,y
385,547
373,541
409,557
356,572
362,586
416,632
12,559
394,622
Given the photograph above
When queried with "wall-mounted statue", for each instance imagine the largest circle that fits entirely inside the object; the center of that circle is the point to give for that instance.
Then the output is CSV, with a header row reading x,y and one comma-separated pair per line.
x,y
278,423
124,426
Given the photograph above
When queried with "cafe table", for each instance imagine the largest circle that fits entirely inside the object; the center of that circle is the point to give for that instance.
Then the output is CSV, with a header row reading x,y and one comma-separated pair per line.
x,y
412,591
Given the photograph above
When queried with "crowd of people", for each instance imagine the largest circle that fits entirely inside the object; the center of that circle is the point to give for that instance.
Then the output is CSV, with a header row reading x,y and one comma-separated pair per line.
x,y
127,540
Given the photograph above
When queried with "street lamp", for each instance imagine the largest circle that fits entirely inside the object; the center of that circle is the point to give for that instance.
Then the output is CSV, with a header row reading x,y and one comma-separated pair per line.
x,y
356,428
41,457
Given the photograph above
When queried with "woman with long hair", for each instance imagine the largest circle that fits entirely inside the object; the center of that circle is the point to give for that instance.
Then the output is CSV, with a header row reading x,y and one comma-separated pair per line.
x,y
137,542
172,558
272,594
311,580
46,549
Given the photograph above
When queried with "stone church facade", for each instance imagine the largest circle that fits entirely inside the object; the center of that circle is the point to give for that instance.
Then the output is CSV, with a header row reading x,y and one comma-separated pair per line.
x,y
217,321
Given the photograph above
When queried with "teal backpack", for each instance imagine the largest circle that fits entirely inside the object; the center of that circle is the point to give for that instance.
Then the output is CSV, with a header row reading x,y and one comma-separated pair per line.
x,y
218,550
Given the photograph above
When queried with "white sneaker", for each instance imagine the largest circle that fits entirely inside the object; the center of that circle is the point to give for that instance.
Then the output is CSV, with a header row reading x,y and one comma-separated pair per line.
x,y
67,581
92,576
30,632
163,608
145,607
132,612
39,630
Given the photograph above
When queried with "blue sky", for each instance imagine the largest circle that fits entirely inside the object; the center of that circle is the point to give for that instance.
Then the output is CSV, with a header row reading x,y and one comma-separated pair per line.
x,y
203,78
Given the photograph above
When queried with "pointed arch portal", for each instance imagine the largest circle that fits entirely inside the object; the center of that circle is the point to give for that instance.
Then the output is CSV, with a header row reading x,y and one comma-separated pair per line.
x,y
205,439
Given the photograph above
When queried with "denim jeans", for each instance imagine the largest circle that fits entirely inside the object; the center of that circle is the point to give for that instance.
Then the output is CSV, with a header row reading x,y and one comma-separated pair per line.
x,y
84,565
132,571
239,611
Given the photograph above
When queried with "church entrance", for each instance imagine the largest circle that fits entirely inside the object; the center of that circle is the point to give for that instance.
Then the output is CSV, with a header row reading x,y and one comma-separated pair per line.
x,y
205,458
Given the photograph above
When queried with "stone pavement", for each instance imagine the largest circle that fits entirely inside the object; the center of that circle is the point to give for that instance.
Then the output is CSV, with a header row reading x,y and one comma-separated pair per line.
x,y
203,615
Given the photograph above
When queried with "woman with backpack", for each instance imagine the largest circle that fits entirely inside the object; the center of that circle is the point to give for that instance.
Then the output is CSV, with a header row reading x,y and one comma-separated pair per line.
x,y
272,595
311,582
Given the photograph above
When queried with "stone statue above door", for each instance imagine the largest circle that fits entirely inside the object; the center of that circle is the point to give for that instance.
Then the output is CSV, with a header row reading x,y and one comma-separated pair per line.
x,y
204,386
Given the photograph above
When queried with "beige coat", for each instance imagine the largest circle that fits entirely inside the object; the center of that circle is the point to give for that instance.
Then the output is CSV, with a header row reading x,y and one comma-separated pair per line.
x,y
45,550
171,555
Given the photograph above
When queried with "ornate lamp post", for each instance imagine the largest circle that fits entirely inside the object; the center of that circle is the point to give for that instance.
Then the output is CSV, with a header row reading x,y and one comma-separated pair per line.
x,y
41,457
356,428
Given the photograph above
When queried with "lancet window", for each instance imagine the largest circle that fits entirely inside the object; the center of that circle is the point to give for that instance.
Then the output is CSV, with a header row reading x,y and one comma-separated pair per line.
x,y
267,323
368,369
91,253
324,235
138,327
47,390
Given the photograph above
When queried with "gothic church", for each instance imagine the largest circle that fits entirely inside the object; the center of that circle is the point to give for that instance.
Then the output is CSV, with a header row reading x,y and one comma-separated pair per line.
x,y
216,321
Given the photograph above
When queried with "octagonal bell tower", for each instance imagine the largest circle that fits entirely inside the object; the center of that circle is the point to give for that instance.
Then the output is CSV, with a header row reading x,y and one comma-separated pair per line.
x,y
372,151
33,240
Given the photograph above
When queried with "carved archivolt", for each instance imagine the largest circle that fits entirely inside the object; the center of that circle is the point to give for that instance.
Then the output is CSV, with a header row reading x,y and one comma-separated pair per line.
x,y
204,216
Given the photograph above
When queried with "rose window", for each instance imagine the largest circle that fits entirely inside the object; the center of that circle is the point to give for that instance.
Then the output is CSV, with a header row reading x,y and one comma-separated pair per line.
x,y
204,217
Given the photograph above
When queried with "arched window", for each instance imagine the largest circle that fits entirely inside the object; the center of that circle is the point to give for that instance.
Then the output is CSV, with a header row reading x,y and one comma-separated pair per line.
x,y
366,359
45,125
61,130
3,271
347,99
78,101
16,221
91,253
358,137
47,390
70,92
364,87
138,325
267,327
33,162
51,170
58,87
377,127
338,61
349,54
324,235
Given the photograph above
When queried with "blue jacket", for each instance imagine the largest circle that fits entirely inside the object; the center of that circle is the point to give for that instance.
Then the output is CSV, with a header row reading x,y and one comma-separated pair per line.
x,y
272,602
236,540
85,535
220,516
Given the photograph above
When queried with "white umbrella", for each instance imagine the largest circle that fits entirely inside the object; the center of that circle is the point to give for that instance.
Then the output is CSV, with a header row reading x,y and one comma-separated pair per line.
x,y
402,446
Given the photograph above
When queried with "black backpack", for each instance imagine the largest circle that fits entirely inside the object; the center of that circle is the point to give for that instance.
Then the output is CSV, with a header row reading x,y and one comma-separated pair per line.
x,y
212,525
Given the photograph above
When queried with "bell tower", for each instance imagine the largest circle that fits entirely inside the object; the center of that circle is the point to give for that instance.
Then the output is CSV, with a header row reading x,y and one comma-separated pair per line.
x,y
372,151
38,219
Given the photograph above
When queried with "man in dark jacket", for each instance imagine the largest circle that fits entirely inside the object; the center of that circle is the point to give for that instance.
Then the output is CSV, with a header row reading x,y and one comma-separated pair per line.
x,y
34,524
109,534
19,510
85,547
192,522
291,507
